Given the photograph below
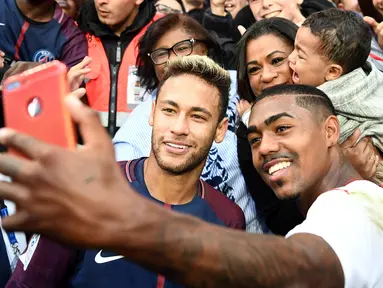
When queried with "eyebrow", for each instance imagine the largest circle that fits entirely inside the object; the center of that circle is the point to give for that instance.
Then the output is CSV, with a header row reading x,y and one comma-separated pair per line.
x,y
267,57
275,117
169,102
194,108
268,122
300,49
251,129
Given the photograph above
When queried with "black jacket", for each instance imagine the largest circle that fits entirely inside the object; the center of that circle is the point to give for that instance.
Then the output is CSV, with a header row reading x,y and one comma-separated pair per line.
x,y
88,22
223,31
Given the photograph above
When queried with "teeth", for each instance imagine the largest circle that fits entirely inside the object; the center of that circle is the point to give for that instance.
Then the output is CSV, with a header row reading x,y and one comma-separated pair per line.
x,y
176,146
272,14
279,166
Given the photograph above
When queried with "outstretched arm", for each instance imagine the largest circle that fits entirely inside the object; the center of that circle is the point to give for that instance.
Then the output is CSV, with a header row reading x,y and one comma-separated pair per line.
x,y
81,197
202,255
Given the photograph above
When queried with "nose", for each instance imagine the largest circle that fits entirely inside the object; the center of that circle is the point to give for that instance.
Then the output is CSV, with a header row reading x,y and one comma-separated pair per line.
x,y
267,3
292,57
269,73
268,145
180,126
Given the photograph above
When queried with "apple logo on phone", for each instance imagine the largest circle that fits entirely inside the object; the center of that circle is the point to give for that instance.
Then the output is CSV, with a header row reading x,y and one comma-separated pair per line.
x,y
34,107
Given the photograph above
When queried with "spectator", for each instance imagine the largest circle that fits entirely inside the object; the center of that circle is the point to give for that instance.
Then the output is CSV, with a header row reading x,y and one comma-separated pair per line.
x,y
216,20
378,4
184,127
263,50
331,50
291,126
221,169
38,31
349,5
368,9
263,63
293,10
71,7
234,6
244,17
113,29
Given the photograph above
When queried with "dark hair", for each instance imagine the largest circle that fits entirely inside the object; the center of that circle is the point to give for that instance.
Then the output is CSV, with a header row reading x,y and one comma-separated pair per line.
x,y
285,29
307,97
207,70
345,38
145,70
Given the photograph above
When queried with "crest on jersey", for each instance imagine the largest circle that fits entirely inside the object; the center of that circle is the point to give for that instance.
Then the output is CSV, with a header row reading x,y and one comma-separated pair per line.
x,y
43,56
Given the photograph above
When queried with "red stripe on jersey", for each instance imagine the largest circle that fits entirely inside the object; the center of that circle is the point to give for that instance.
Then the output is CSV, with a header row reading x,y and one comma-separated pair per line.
x,y
20,40
161,278
160,281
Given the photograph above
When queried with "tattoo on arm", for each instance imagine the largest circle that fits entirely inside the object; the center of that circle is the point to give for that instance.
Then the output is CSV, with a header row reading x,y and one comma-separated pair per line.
x,y
198,254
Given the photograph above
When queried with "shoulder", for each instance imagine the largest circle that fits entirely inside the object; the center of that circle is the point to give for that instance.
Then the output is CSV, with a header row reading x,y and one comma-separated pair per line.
x,y
68,27
343,218
225,209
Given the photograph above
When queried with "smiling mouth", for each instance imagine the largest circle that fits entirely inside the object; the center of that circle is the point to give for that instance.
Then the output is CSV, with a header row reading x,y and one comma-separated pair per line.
x,y
177,146
229,6
278,167
271,14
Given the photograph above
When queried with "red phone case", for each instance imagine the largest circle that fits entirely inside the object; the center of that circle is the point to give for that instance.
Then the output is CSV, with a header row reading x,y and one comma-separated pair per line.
x,y
49,85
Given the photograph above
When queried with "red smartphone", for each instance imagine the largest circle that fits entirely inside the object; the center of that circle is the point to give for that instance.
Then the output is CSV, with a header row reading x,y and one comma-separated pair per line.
x,y
33,104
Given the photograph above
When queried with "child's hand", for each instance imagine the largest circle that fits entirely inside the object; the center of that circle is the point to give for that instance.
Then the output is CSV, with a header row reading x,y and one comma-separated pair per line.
x,y
2,55
77,73
243,106
377,27
362,155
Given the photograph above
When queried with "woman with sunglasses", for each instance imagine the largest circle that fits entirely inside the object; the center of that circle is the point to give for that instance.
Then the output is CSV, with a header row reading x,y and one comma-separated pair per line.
x,y
179,36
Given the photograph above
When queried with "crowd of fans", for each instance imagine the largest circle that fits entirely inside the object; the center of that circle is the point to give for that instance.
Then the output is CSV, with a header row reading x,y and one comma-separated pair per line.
x,y
184,90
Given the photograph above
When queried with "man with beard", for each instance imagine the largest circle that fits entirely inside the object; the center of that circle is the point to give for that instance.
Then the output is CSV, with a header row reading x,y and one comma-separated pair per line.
x,y
294,135
187,116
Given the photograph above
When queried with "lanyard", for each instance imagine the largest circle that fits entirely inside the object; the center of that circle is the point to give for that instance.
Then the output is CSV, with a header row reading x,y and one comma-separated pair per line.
x,y
11,235
376,57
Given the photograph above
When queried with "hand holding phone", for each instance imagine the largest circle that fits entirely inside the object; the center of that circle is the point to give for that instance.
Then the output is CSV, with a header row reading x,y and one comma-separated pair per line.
x,y
33,104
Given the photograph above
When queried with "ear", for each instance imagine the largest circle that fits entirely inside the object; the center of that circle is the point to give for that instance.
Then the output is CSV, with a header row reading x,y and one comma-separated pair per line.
x,y
333,72
332,127
220,132
151,118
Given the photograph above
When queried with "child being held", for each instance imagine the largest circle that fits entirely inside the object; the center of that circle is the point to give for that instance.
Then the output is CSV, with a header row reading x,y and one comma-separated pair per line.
x,y
331,51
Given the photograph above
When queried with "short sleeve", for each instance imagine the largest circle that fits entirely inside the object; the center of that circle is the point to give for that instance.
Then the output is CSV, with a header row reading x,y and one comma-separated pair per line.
x,y
356,240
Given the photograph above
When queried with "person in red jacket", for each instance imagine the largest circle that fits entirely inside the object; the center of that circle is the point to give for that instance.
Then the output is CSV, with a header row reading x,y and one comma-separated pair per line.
x,y
113,29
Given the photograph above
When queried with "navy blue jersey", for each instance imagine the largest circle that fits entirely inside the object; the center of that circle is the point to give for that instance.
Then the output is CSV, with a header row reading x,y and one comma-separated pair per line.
x,y
99,268
69,267
22,39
